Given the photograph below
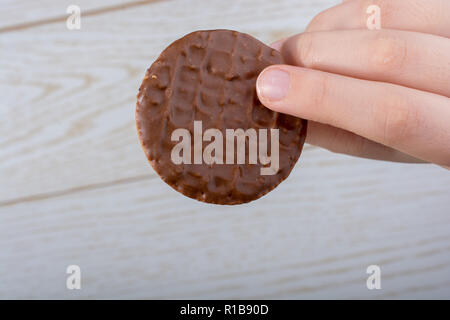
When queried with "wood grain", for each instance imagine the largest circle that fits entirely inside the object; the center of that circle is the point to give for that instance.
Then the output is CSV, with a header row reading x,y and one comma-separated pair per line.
x,y
68,116
313,237
76,187
24,14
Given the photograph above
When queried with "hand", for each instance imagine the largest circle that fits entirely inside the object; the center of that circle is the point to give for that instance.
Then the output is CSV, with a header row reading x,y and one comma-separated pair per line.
x,y
380,94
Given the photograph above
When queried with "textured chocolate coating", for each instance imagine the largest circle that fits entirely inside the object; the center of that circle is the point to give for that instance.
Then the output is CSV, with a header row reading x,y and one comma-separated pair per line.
x,y
211,76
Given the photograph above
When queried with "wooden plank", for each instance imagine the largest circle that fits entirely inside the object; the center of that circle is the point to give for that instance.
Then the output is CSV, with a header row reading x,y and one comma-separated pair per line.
x,y
76,188
313,237
68,97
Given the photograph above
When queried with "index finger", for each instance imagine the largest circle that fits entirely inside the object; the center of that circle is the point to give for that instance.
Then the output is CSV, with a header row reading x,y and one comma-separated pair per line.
x,y
409,120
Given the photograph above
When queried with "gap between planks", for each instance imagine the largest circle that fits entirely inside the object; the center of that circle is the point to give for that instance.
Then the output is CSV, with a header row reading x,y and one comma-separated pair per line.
x,y
59,193
87,13
100,185
88,187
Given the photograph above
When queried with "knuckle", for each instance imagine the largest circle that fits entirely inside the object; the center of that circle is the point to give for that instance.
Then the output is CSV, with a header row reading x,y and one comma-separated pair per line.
x,y
436,15
387,52
387,8
320,91
385,5
395,120
313,94
432,14
319,22
420,11
305,50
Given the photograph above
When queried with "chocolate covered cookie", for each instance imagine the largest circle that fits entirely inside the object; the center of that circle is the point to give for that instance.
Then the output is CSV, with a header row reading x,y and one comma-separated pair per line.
x,y
202,126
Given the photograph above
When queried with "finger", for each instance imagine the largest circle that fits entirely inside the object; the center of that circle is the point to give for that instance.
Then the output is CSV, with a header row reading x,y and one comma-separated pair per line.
x,y
427,16
346,142
412,121
278,44
411,59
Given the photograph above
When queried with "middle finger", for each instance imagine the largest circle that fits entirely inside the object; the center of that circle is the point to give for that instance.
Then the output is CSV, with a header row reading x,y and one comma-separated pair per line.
x,y
415,60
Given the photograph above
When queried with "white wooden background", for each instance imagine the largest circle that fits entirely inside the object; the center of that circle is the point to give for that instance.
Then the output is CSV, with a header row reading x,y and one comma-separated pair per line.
x,y
76,188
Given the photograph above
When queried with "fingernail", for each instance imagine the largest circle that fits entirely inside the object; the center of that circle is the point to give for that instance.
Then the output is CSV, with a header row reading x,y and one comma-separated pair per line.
x,y
273,84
